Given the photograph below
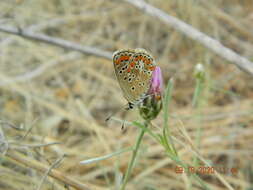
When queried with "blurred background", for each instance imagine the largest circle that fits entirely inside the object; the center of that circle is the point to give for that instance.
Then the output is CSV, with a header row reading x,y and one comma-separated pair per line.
x,y
55,101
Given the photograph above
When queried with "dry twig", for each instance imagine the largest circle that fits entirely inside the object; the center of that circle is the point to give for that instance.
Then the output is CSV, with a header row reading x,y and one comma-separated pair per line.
x,y
57,42
212,44
43,168
54,165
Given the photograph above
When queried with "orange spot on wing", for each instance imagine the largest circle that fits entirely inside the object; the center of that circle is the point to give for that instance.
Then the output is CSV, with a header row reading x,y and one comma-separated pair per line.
x,y
147,61
132,64
122,58
129,70
152,68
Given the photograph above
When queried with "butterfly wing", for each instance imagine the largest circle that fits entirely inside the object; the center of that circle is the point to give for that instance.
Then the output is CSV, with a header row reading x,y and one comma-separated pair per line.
x,y
121,60
133,70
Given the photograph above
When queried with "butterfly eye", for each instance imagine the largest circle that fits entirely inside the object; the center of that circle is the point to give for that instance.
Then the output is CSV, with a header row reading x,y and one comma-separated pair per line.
x,y
120,71
133,88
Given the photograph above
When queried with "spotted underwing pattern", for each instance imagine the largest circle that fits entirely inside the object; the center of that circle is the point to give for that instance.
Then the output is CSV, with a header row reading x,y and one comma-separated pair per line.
x,y
133,69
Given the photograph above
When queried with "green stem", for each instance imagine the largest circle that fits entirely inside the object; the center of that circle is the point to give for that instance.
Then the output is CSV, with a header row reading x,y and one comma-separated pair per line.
x,y
197,92
135,151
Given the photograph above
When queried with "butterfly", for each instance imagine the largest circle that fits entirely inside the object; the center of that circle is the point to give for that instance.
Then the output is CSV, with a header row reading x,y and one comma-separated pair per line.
x,y
133,69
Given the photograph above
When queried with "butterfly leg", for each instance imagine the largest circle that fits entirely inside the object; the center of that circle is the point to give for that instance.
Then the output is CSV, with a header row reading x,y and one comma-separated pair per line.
x,y
123,125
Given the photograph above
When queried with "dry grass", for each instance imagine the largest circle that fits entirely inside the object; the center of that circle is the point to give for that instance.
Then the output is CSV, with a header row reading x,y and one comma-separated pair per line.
x,y
69,101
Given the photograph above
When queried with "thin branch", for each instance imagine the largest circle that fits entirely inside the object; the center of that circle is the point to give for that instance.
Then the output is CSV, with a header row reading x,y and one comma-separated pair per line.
x,y
210,43
30,129
35,145
20,158
33,28
54,165
8,124
57,42
55,22
221,15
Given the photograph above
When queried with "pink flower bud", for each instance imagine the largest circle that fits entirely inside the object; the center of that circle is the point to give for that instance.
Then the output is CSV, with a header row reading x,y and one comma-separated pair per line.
x,y
152,104
156,84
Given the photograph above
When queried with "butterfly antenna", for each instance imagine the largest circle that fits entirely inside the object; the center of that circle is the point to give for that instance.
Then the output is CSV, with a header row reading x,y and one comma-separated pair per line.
x,y
108,118
114,113
129,107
